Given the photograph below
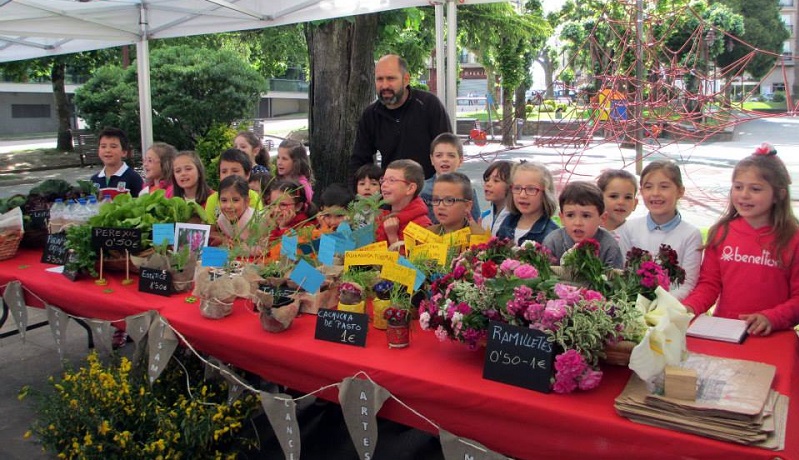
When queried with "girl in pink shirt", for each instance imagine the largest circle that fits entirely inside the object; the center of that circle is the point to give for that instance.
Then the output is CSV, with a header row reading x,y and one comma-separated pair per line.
x,y
293,164
750,268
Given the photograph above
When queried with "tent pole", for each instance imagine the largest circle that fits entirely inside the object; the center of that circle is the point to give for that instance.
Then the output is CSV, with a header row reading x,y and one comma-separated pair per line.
x,y
452,63
441,75
143,69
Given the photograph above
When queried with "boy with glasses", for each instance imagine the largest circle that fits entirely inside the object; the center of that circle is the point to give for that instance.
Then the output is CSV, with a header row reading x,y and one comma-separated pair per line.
x,y
400,186
452,204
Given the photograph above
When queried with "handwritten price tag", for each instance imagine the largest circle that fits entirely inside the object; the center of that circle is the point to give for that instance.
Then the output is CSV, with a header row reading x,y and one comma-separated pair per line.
x,y
369,258
419,234
435,251
399,274
474,240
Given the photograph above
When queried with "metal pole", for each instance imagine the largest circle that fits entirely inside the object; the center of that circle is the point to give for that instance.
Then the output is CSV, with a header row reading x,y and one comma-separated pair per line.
x,y
143,69
441,76
452,62
639,88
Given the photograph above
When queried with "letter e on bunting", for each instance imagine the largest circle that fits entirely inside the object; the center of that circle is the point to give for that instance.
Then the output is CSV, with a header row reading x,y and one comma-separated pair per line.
x,y
360,400
58,325
15,301
281,410
161,342
456,448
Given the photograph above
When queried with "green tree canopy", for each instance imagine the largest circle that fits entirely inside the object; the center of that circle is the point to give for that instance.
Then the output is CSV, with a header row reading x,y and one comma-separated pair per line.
x,y
193,89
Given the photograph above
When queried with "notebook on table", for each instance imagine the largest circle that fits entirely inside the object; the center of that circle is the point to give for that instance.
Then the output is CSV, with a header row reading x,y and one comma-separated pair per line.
x,y
716,328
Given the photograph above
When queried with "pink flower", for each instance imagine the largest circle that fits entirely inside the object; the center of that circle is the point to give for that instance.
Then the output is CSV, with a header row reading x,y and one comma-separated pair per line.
x,y
459,271
509,265
525,272
570,363
564,385
555,310
567,292
590,295
441,333
590,379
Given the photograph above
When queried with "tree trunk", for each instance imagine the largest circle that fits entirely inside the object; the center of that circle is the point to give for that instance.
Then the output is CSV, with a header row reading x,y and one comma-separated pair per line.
x,y
507,117
549,72
521,103
57,73
342,85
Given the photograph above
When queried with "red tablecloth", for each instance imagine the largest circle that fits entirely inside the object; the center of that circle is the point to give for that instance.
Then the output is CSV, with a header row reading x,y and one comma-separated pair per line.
x,y
443,381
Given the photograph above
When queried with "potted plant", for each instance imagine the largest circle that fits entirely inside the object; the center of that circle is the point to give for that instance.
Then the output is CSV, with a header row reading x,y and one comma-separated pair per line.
x,y
398,318
381,302
350,297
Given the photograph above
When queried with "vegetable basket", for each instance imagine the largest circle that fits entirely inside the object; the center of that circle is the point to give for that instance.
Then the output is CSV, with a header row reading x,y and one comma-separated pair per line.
x,y
9,243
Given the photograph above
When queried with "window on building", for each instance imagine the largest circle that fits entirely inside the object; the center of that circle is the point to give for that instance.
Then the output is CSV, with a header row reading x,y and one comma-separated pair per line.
x,y
30,110
775,87
784,3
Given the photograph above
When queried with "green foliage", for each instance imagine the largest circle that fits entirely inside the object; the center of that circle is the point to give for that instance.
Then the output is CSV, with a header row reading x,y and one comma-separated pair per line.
x,y
778,96
193,90
410,33
111,411
761,27
209,146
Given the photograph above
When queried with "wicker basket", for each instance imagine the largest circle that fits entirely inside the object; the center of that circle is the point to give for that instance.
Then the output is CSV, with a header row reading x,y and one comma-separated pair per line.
x,y
619,354
9,243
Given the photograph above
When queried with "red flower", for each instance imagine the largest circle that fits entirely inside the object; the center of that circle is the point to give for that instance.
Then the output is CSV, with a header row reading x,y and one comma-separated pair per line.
x,y
489,269
589,244
765,149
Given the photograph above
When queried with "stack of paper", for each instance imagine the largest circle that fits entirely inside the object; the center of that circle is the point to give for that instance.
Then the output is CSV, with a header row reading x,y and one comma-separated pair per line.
x,y
734,403
716,328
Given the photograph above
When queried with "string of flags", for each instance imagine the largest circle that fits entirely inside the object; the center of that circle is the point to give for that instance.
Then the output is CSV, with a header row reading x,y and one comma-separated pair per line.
x,y
360,397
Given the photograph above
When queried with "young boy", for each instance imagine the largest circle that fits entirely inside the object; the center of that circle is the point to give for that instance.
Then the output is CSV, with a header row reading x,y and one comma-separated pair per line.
x,y
232,162
367,180
446,154
619,189
452,204
582,210
115,177
334,202
400,185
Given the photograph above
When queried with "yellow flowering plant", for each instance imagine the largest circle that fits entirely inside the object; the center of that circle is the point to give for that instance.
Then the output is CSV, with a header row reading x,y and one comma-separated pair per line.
x,y
110,411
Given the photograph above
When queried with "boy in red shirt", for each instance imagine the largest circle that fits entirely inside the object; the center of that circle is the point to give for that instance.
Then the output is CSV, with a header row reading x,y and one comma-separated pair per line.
x,y
400,186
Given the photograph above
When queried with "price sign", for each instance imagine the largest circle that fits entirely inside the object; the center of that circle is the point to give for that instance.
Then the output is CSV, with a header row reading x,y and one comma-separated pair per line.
x,y
72,275
155,281
116,238
39,218
342,327
519,356
55,250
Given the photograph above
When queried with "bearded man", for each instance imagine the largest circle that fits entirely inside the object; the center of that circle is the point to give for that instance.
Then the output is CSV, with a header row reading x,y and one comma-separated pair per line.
x,y
402,123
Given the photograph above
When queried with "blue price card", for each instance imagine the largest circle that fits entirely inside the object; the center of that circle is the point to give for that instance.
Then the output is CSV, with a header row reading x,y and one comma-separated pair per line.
x,y
364,235
288,247
163,232
307,277
417,282
213,257
327,249
344,229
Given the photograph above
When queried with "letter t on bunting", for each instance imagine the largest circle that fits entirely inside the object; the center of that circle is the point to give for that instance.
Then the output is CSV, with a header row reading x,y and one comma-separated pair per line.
x,y
360,400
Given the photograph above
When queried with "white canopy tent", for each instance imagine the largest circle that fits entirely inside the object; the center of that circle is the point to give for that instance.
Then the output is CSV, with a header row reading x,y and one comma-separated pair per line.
x,y
38,28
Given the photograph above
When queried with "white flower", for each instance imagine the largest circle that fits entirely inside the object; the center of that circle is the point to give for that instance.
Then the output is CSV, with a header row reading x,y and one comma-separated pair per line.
x,y
424,320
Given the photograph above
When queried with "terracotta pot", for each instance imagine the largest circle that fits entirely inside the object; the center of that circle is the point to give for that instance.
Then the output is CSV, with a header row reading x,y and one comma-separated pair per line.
x,y
379,307
398,335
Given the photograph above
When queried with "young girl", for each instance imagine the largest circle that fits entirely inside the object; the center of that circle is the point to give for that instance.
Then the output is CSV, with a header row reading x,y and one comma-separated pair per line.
x,y
290,209
367,180
661,188
235,215
189,178
158,167
293,163
496,186
751,263
532,205
248,142
619,189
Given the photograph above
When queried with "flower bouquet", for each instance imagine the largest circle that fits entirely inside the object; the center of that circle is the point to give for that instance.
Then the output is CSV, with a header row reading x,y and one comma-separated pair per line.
x,y
516,285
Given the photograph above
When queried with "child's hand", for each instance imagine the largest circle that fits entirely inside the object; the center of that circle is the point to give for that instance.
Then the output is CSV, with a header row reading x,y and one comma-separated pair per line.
x,y
391,226
758,324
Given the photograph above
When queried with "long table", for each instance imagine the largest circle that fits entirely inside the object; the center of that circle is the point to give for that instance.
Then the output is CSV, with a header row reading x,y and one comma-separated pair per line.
x,y
441,380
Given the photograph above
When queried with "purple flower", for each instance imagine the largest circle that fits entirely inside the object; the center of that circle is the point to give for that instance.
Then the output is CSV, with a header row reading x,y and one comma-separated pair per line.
x,y
590,379
525,272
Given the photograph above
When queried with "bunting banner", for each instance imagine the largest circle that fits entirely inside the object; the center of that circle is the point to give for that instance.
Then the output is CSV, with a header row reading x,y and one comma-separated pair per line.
x,y
102,333
281,410
58,325
235,388
210,372
360,400
137,327
161,344
15,301
457,448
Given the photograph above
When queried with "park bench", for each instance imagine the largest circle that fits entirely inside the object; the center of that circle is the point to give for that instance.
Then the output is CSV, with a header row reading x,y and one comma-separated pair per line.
x,y
570,135
85,144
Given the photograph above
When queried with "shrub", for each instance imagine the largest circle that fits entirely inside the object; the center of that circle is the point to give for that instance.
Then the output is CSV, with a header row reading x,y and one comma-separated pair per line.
x,y
218,139
110,411
779,96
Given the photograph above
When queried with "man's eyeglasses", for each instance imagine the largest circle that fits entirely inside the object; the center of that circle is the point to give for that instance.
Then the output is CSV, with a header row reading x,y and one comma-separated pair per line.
x,y
392,180
448,201
529,190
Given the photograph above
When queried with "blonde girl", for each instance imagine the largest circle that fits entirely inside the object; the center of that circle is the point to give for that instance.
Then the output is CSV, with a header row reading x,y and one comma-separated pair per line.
x,y
751,265
158,167
531,204
661,189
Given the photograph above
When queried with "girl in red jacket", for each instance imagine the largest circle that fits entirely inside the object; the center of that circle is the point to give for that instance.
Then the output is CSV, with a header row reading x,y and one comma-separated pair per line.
x,y
751,262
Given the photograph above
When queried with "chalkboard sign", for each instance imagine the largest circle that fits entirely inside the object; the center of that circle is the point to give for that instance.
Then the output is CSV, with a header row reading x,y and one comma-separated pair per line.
x,y
342,327
72,275
155,281
55,250
39,218
116,238
519,356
